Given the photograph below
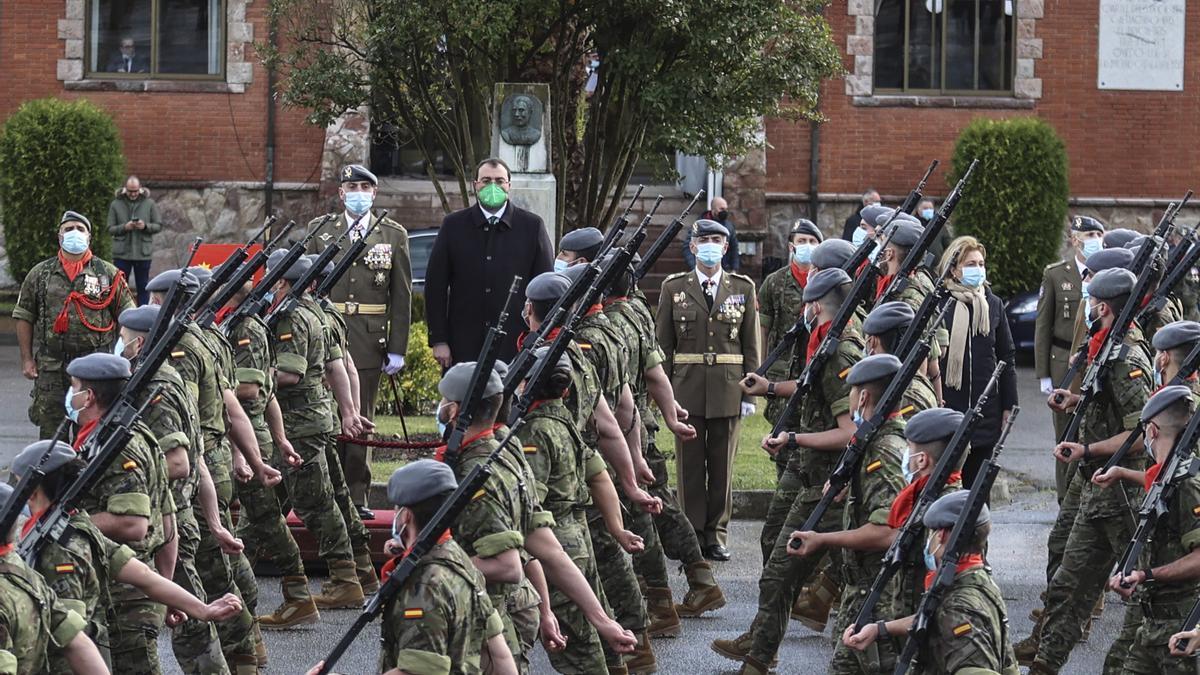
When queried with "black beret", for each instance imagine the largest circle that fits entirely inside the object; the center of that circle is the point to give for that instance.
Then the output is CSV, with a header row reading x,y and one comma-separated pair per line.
x,y
581,239
1109,258
163,282
547,286
704,227
872,368
822,282
202,274
888,316
832,253
28,458
1162,400
933,424
871,213
944,513
806,226
417,481
1086,224
1119,237
75,217
292,273
353,173
139,319
1176,334
903,233
457,380
1111,284
99,366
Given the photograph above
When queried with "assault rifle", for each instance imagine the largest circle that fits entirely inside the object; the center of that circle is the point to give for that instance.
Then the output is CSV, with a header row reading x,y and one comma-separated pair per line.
x,y
618,227
244,273
861,254
174,300
961,536
933,303
1193,618
28,483
664,240
1178,265
908,537
224,272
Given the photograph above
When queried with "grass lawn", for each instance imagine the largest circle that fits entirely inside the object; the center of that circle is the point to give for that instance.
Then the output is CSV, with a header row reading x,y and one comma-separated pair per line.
x,y
753,468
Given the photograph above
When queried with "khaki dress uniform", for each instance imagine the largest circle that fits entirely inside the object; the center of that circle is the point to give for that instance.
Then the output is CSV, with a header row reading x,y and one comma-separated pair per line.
x,y
1059,300
708,349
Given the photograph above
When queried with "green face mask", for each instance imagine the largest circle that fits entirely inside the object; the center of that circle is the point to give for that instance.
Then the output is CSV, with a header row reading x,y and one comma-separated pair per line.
x,y
492,196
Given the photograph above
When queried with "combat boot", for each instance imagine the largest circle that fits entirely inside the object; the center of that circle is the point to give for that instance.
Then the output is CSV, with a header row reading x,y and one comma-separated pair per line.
x,y
1039,668
366,573
617,669
260,648
342,590
642,661
815,601
703,595
242,664
752,666
297,609
1026,650
664,621
738,649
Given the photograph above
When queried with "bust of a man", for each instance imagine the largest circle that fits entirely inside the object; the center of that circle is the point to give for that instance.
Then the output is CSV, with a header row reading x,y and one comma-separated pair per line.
x,y
522,128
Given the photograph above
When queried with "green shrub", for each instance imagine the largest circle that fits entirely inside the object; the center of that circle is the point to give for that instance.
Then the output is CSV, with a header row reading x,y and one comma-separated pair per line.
x,y
417,312
1016,201
56,155
418,381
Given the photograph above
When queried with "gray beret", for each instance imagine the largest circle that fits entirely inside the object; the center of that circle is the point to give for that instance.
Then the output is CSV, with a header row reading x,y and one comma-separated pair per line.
x,y
353,173
292,273
933,424
1086,224
6,493
1111,284
870,214
165,280
581,239
944,513
75,217
832,253
32,454
1119,237
455,382
874,367
501,368
564,361
904,233
824,281
574,272
99,366
888,316
1176,334
883,218
704,227
417,481
547,286
202,274
1109,258
806,226
312,259
1165,397
139,319
1136,243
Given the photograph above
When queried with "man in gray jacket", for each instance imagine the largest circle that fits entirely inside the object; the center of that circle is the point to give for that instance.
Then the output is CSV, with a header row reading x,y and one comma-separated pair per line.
x,y
133,221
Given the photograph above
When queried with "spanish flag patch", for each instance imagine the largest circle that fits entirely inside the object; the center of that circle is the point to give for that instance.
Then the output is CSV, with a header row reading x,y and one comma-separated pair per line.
x,y
285,337
243,342
962,629
478,494
874,466
414,613
529,449
156,399
584,345
842,375
1135,374
905,410
179,354
1196,510
65,568
129,465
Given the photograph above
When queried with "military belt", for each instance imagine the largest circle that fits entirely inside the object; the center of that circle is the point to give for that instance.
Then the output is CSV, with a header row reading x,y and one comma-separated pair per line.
x,y
352,308
1166,609
1061,343
709,359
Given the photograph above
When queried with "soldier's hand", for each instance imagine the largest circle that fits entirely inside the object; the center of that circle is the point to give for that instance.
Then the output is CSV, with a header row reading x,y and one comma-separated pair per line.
x,y
1106,477
224,607
393,547
620,640
754,385
175,617
1061,400
552,638
129,226
289,453
1068,452
642,472
367,425
1125,586
684,432
651,505
747,409
269,476
441,353
1191,637
630,542
29,369
229,544
350,427
681,412
773,444
862,639
242,472
1047,386
810,543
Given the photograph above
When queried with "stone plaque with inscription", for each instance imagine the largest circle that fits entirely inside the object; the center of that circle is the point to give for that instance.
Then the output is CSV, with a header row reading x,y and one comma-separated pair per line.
x,y
1141,45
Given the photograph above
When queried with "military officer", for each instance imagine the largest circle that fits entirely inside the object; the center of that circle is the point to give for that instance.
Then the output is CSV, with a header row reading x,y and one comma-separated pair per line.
x,y
375,296
68,307
708,331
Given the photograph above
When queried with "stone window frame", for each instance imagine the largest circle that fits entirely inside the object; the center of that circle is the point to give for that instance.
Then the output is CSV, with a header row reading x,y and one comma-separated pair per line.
x,y
860,84
239,68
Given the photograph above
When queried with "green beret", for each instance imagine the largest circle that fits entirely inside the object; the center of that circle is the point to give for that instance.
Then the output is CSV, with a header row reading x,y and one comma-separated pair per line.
x,y
704,227
888,316
1119,237
1165,398
455,382
417,481
547,286
139,319
822,282
1111,284
806,226
75,217
933,424
1108,258
944,513
581,239
28,458
904,233
353,173
1176,334
832,253
99,366
872,368
1086,224
163,282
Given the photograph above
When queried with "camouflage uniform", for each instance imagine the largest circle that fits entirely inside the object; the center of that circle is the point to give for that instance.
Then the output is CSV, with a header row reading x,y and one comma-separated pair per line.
x,y
780,303
44,296
1170,313
33,622
1102,525
441,619
970,632
920,284
910,581
1188,293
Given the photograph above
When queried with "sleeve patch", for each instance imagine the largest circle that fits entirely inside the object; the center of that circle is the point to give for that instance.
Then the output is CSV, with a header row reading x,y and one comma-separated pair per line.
x,y
1196,510
65,568
874,466
243,342
962,629
179,354
529,449
1135,374
285,337
129,465
842,375
414,613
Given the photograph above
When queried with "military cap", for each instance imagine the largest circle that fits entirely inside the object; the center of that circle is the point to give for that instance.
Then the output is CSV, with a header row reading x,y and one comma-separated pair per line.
x,y
202,273
312,259
1109,258
1111,284
1135,243
564,361
932,424
874,367
75,217
1119,237
704,227
163,281
581,239
1086,224
417,481
139,319
871,213
1176,334
806,226
455,382
574,272
99,366
501,369
904,233
832,253
547,286
902,217
944,513
32,454
888,316
824,281
6,493
353,173
1165,398
292,273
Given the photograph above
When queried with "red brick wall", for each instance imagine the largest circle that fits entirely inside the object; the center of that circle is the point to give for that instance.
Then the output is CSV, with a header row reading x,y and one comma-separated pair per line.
x,y
167,136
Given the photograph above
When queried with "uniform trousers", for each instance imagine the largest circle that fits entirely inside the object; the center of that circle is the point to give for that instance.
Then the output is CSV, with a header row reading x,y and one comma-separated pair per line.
x,y
675,531
705,468
356,459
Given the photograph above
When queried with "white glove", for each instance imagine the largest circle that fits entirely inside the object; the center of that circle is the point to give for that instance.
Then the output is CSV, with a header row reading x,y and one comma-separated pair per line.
x,y
394,364
747,409
1047,385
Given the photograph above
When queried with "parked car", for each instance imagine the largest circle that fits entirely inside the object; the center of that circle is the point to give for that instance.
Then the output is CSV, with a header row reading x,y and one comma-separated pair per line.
x,y
1022,313
420,246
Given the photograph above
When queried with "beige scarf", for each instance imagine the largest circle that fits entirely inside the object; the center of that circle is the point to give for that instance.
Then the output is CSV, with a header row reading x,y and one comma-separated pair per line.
x,y
959,336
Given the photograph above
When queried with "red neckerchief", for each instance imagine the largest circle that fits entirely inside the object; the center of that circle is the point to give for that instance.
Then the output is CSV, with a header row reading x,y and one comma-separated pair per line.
x,y
1190,378
440,453
33,519
608,302
904,502
814,339
801,276
1151,475
1145,301
6,549
84,432
862,266
964,563
1095,343
81,301
74,267
595,309
386,570
882,283
224,313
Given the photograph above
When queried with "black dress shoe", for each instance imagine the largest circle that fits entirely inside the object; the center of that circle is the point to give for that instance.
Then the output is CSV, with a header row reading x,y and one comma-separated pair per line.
x,y
716,552
364,513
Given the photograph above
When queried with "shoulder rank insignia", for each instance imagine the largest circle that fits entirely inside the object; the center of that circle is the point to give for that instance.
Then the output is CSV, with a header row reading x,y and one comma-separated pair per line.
x,y
962,629
478,494
584,345
874,466
285,337
1196,510
65,568
414,613
842,375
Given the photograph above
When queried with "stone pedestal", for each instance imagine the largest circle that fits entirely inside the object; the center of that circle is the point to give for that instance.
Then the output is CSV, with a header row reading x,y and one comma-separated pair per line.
x,y
537,192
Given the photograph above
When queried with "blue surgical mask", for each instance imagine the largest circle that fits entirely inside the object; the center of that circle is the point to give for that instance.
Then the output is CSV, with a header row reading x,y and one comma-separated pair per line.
x,y
709,253
857,417
802,254
75,242
561,265
1087,316
973,277
269,296
358,202
441,426
119,347
71,411
859,236
909,474
1091,246
930,559
927,214
1083,291
1157,378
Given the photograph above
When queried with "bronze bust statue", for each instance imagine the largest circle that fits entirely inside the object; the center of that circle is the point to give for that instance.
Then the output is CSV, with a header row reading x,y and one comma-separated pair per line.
x,y
520,119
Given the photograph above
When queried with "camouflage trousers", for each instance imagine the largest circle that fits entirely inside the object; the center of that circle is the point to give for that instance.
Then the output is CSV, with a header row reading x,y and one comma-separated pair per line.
x,y
1068,509
1118,652
651,563
310,493
584,653
617,577
782,578
196,644
518,609
133,627
261,524
49,389
675,533
880,657
787,489
1149,653
360,538
1062,470
222,573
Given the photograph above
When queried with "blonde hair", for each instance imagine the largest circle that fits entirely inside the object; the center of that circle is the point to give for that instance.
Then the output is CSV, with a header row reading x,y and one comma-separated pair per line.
x,y
959,248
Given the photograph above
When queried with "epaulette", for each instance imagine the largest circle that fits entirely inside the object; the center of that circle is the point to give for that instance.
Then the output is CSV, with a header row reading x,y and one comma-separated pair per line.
x,y
677,275
392,224
1056,264
318,219
739,275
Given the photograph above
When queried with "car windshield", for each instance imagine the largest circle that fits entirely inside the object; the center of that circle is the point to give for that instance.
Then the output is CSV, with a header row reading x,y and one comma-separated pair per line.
x,y
419,246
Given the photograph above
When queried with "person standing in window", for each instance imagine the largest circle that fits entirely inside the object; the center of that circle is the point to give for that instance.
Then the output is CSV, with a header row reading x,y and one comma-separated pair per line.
x,y
869,198
133,221
128,60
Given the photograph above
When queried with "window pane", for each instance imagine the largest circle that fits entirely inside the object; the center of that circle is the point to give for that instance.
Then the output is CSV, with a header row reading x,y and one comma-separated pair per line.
x,y
119,36
889,45
189,37
924,48
995,44
960,44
